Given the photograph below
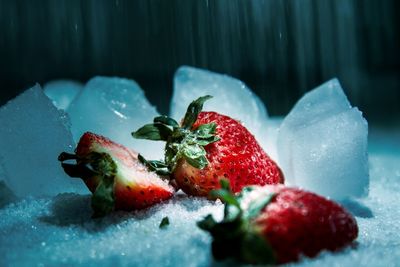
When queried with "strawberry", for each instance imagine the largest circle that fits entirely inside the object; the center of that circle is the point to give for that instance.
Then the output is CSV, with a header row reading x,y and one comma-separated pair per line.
x,y
115,176
277,224
206,147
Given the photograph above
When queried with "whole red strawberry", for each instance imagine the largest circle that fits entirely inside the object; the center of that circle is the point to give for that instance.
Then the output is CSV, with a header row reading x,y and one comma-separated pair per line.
x,y
114,175
277,224
208,147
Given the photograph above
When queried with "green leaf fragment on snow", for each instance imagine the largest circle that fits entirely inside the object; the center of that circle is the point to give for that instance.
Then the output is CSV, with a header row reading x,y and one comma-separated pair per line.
x,y
164,223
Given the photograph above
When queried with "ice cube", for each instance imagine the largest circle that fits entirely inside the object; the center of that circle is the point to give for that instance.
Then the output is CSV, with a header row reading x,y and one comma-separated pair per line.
x,y
32,134
322,144
62,92
268,136
230,96
6,195
114,107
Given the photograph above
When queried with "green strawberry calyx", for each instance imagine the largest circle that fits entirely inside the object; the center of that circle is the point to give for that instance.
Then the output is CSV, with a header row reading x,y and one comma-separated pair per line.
x,y
236,236
98,166
182,142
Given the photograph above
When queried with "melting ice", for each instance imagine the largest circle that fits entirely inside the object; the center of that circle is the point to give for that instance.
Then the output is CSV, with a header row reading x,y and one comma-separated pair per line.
x,y
114,107
62,92
322,144
33,132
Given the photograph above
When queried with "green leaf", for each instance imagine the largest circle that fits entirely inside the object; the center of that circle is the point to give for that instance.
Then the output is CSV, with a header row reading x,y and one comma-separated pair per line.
x,y
193,151
257,205
204,142
205,134
193,111
166,120
170,154
163,172
179,134
255,249
199,163
195,155
157,166
225,184
154,131
104,168
102,164
103,198
207,224
225,194
232,209
206,130
164,223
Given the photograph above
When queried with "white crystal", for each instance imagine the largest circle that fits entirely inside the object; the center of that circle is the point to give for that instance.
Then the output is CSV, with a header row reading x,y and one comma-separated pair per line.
x,y
269,135
322,144
62,92
114,107
32,135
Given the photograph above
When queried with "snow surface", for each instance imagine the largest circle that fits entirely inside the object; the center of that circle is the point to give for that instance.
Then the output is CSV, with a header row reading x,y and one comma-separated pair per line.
x,y
58,231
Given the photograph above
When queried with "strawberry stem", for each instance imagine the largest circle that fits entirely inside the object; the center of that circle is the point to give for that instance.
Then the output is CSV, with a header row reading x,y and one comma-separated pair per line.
x,y
77,170
90,166
182,142
66,156
235,236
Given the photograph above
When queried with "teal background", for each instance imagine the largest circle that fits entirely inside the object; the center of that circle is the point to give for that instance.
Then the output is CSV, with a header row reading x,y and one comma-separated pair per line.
x,y
281,49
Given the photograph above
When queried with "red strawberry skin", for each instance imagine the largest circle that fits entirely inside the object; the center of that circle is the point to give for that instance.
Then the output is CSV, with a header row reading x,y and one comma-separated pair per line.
x,y
236,157
134,186
297,222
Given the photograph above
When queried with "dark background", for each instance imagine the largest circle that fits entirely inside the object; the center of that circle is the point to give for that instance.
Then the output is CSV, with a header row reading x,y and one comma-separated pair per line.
x,y
281,49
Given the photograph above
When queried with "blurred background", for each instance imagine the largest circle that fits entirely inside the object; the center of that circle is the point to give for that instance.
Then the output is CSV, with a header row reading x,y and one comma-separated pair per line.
x,y
281,49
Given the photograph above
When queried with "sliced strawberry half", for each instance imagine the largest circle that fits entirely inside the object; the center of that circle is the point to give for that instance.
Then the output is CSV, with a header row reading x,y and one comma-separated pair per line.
x,y
115,176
